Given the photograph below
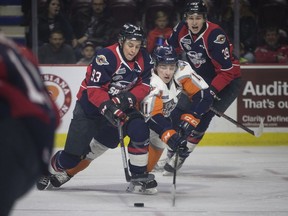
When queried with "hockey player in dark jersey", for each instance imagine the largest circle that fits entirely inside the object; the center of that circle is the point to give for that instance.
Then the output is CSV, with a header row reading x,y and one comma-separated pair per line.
x,y
116,81
210,53
28,120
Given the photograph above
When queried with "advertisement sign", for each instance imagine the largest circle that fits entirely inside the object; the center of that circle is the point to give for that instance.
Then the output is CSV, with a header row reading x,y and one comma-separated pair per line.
x,y
264,95
59,91
63,83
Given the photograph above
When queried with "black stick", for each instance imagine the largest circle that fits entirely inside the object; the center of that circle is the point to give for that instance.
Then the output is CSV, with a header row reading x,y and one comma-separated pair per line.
x,y
174,178
258,133
123,152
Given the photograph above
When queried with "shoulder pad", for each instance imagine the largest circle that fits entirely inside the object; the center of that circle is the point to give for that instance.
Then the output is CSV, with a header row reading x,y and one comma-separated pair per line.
x,y
185,71
157,85
218,36
103,56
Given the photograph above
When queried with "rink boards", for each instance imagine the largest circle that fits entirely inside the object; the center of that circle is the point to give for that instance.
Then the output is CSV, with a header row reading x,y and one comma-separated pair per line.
x,y
264,95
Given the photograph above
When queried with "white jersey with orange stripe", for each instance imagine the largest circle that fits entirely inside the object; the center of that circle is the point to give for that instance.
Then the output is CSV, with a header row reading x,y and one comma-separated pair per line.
x,y
163,98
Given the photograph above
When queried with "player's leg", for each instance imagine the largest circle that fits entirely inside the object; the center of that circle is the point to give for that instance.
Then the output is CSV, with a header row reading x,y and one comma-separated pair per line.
x,y
80,135
156,149
227,96
192,142
141,181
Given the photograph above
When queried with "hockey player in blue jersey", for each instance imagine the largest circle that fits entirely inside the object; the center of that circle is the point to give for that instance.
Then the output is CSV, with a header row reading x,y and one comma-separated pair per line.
x,y
28,120
116,81
210,54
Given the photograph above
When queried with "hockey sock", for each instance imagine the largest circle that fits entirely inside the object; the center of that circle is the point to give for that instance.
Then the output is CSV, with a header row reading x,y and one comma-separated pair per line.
x,y
153,157
83,164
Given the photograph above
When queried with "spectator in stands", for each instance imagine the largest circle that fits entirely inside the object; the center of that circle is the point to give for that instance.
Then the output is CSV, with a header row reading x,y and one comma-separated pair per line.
x,y
53,19
273,51
88,51
246,56
248,25
160,32
100,28
56,51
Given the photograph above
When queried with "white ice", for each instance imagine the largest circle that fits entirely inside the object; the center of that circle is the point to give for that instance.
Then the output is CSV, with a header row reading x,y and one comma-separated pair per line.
x,y
213,181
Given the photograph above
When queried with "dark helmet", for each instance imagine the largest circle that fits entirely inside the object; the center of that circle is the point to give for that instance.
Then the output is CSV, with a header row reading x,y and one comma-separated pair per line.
x,y
195,6
164,54
131,32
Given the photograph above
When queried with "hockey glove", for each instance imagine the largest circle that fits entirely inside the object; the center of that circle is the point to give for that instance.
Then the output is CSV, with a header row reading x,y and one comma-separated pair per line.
x,y
175,141
187,124
124,100
112,112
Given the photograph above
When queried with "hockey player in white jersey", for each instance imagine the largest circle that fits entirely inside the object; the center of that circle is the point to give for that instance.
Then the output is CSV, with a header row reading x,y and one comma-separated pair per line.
x,y
177,100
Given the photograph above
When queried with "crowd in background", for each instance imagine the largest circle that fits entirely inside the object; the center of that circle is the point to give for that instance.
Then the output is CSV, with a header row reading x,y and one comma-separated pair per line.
x,y
262,31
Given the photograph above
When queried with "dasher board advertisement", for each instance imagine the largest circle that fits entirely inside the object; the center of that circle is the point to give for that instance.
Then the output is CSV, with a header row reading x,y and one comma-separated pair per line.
x,y
264,95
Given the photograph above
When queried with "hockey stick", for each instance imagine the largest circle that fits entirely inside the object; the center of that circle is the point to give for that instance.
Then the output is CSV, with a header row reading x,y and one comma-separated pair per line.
x,y
123,152
256,133
173,189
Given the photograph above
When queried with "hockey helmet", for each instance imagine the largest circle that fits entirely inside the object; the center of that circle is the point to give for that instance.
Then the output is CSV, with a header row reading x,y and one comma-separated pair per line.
x,y
195,6
164,54
131,32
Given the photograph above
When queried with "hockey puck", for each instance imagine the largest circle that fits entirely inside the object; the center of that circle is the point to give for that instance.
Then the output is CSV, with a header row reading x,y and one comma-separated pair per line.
x,y
138,204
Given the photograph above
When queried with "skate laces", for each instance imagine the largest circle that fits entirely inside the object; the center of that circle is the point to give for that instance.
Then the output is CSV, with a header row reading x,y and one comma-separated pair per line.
x,y
44,180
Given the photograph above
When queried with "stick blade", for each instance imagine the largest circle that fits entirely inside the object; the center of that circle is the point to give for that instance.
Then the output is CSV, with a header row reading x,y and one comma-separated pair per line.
x,y
173,193
260,129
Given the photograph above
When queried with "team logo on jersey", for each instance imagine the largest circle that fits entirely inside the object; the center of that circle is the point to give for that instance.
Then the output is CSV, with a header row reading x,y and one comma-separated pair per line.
x,y
202,46
101,60
186,41
59,91
196,58
117,77
169,106
220,39
121,86
121,71
187,47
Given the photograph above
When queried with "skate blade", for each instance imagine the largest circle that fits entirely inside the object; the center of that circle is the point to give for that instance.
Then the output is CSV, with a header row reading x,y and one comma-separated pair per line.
x,y
158,169
140,190
161,163
166,173
49,186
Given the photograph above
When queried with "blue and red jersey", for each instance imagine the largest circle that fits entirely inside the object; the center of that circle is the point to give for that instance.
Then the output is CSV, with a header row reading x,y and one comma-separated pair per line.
x,y
22,92
110,74
209,53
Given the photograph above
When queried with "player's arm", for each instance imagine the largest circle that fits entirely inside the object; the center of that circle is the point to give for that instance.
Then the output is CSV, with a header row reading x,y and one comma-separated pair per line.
x,y
226,66
173,39
152,109
196,92
142,86
99,75
190,81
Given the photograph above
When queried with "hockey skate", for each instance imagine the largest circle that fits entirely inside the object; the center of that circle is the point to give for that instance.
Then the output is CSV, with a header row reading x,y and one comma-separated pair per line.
x,y
143,184
43,182
59,179
169,166
159,167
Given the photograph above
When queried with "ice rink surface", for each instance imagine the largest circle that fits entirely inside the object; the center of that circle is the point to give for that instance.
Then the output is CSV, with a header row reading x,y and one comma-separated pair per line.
x,y
213,181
